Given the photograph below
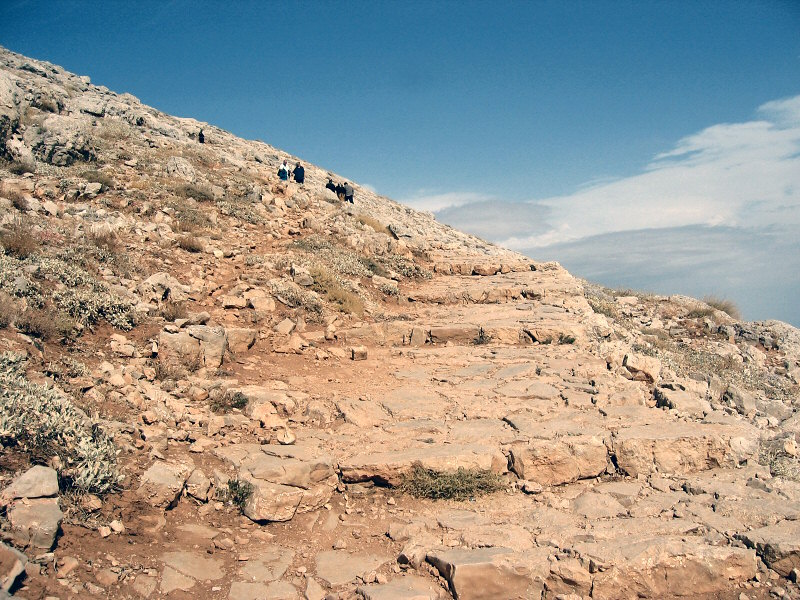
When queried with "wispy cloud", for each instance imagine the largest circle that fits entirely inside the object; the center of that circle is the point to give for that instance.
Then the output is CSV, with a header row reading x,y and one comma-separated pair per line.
x,y
434,202
735,174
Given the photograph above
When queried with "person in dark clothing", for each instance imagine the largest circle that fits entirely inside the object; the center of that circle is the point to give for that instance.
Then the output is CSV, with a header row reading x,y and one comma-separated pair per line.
x,y
201,138
299,173
340,191
348,192
331,186
283,171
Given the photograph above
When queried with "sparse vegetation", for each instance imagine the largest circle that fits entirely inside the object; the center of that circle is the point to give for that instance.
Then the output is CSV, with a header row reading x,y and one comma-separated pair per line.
x,y
44,423
21,167
483,337
292,295
190,243
565,338
773,454
18,200
237,492
19,239
199,193
726,306
229,401
95,176
462,484
335,292
373,223
46,324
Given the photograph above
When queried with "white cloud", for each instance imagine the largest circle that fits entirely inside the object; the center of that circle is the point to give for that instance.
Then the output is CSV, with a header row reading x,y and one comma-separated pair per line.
x,y
423,200
735,174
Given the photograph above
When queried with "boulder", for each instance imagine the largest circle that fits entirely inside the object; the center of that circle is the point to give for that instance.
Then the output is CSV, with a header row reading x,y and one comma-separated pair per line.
x,y
37,482
559,460
12,565
162,287
778,545
35,522
240,339
492,573
162,484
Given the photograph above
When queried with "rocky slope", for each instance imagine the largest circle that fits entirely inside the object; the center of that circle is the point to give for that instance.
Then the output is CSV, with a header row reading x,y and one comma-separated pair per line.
x,y
234,387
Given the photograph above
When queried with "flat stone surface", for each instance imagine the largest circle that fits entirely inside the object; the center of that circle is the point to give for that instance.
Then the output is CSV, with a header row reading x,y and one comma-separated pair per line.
x,y
37,482
410,587
337,567
277,590
172,580
195,565
266,563
778,545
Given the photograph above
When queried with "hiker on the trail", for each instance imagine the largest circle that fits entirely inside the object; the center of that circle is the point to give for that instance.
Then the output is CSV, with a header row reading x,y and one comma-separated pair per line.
x,y
299,173
283,171
201,138
339,191
331,186
348,192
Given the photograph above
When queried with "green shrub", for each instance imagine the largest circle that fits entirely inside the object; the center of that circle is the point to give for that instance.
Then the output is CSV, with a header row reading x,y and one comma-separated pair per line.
x,y
461,484
43,422
237,492
565,338
89,306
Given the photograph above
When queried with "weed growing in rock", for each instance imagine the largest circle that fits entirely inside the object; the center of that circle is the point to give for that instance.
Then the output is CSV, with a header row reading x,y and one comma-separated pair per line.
x,y
44,423
565,338
171,311
461,484
237,493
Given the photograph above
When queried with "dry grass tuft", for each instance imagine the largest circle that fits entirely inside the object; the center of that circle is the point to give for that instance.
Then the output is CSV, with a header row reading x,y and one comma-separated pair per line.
x,y
462,484
46,324
327,285
726,306
191,243
171,311
19,240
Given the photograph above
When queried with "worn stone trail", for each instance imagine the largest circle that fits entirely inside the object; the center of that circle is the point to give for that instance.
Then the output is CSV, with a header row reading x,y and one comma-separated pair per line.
x,y
297,359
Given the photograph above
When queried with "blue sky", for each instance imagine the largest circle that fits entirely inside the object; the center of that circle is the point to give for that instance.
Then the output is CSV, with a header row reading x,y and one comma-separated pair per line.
x,y
584,123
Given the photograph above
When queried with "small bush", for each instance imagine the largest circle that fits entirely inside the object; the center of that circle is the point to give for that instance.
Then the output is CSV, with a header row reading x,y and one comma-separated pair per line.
x,y
294,296
46,324
95,176
483,337
374,267
462,484
43,422
726,306
781,464
373,223
237,492
190,243
21,167
201,194
564,338
18,239
89,306
171,311
228,402
105,239
166,369
8,310
335,292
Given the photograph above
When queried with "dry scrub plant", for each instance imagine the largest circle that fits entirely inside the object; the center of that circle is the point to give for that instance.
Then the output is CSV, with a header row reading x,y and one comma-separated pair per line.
x,y
44,423
462,484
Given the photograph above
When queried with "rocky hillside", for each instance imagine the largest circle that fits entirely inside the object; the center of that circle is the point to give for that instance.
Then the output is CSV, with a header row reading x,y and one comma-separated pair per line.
x,y
214,384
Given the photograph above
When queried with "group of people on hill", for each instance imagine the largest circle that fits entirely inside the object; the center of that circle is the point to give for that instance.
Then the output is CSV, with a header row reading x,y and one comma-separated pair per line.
x,y
298,173
343,191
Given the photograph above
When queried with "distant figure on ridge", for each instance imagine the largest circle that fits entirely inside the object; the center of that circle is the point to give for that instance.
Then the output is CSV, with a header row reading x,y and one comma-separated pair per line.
x,y
201,138
331,186
348,192
283,171
299,173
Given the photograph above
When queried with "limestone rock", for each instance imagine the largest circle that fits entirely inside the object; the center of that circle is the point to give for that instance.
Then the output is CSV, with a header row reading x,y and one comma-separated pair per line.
x,y
163,482
778,545
410,587
559,461
37,482
12,565
35,522
337,567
